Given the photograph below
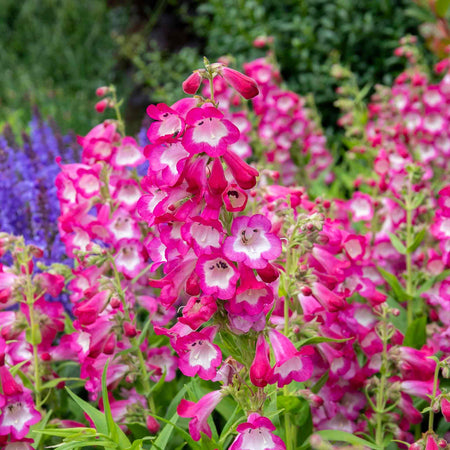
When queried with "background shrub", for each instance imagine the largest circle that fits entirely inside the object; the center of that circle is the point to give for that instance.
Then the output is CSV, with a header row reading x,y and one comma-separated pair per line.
x,y
54,54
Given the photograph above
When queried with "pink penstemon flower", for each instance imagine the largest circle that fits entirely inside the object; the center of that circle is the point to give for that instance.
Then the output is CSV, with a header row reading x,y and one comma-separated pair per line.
x,y
251,242
290,363
256,433
261,371
217,275
198,355
168,123
199,413
208,132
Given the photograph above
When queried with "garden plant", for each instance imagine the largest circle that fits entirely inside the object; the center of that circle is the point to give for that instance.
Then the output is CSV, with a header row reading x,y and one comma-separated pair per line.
x,y
226,285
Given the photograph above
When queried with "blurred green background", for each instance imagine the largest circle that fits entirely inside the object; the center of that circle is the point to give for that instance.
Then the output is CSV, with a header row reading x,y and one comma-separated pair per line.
x,y
54,53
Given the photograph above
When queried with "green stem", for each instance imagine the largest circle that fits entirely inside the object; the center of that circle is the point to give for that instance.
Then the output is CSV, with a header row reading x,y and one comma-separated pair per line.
x,y
134,342
290,437
409,237
435,383
120,121
29,294
381,399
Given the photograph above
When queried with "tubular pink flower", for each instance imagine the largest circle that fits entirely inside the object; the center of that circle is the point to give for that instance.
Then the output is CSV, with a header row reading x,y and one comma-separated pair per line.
x,y
127,154
199,412
166,162
205,236
198,311
328,299
252,243
198,355
291,364
168,123
217,181
256,434
218,276
251,295
192,83
431,443
244,174
18,415
260,371
8,383
208,132
445,409
234,198
245,85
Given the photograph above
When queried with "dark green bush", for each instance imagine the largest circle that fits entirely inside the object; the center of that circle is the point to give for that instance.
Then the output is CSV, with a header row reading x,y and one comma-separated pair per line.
x,y
54,54
308,35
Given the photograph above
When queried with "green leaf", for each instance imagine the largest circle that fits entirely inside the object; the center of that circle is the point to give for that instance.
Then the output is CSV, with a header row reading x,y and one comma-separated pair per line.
x,y
33,336
418,238
42,424
320,383
68,325
430,282
139,430
164,436
52,383
115,432
305,431
416,335
231,423
25,380
96,416
318,340
65,432
288,402
144,331
401,321
176,400
112,432
343,436
418,200
441,7
397,243
302,414
397,289
15,369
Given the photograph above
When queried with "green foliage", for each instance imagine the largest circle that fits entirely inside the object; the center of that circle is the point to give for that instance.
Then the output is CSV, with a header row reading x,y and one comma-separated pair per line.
x,y
309,34
158,69
54,54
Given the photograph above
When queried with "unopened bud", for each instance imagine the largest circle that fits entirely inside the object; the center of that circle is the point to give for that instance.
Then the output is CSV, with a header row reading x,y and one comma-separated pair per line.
x,y
46,356
103,104
415,446
192,83
102,91
115,302
130,329
245,85
306,291
152,425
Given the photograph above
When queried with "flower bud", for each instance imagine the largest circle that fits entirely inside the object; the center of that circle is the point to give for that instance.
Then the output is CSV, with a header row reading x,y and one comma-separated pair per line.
x,y
152,425
192,83
103,104
102,91
115,302
129,329
245,85
306,291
